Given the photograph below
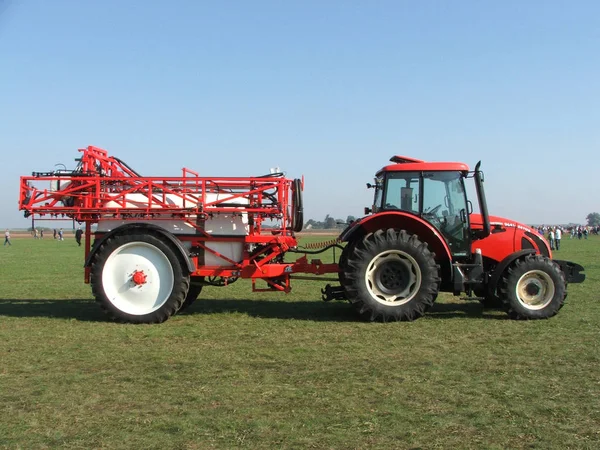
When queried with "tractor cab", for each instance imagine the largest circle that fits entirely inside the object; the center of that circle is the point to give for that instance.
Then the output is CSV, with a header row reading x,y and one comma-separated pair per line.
x,y
435,192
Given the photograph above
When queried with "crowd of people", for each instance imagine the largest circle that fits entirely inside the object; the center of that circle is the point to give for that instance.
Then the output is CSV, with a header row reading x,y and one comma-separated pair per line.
x,y
554,233
56,234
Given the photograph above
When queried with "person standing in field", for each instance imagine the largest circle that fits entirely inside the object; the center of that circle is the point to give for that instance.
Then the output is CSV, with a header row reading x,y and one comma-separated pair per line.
x,y
551,238
7,237
55,233
41,233
78,234
60,235
557,238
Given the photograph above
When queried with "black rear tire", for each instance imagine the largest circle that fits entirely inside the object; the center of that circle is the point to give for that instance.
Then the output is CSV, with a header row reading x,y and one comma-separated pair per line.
x,y
533,287
163,285
343,263
391,275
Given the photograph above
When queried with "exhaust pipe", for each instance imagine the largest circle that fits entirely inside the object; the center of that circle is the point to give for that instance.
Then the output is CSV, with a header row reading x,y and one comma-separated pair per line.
x,y
482,203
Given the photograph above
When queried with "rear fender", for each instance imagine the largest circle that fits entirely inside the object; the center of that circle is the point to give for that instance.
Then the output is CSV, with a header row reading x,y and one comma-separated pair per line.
x,y
402,221
143,228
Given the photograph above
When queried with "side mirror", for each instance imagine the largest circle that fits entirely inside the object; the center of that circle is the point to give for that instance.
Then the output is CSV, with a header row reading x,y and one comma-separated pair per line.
x,y
368,210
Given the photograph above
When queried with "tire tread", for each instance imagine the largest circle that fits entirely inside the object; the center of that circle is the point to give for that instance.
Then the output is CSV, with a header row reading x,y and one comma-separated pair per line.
x,y
363,252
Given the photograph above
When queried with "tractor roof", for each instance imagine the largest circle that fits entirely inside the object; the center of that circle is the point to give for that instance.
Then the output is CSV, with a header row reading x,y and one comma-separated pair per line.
x,y
406,164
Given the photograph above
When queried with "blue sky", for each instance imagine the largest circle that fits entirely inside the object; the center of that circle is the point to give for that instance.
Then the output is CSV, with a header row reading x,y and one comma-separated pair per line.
x,y
325,89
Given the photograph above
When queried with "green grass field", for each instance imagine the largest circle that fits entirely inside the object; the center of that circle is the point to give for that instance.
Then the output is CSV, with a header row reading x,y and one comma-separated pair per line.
x,y
288,371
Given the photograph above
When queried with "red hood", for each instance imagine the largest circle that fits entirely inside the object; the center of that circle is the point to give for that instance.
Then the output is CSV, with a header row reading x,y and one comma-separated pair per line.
x,y
477,222
506,234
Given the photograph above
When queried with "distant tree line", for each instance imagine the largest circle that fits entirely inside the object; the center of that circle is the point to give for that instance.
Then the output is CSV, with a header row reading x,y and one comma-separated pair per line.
x,y
593,219
328,223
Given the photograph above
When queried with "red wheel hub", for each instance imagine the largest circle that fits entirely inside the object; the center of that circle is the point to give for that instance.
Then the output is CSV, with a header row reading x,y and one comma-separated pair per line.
x,y
139,278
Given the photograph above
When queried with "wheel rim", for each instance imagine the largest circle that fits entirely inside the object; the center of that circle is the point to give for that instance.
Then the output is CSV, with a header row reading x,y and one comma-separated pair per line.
x,y
137,278
393,277
535,289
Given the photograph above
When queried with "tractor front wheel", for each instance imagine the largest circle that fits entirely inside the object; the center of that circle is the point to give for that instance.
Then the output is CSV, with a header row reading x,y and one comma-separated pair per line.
x,y
138,278
533,287
391,276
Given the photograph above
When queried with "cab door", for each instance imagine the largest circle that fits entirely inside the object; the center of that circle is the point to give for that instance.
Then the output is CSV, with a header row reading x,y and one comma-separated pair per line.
x,y
445,207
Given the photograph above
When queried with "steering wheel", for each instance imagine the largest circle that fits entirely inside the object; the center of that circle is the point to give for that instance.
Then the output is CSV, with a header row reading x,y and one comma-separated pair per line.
x,y
432,217
431,214
433,211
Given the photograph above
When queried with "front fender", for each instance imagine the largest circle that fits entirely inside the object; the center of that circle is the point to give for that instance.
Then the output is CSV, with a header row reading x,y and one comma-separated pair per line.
x,y
503,265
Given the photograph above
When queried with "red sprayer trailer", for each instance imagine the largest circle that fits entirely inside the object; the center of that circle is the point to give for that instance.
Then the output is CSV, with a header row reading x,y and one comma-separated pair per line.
x,y
159,240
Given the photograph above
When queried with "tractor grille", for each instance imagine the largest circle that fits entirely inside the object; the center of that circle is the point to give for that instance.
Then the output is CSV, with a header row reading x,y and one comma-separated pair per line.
x,y
526,243
539,242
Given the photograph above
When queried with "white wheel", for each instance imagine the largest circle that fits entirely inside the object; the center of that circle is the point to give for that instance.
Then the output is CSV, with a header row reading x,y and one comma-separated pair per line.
x,y
393,277
535,289
137,278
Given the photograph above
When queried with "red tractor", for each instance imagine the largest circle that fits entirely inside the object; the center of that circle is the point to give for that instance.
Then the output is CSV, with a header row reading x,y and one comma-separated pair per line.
x,y
159,240
421,237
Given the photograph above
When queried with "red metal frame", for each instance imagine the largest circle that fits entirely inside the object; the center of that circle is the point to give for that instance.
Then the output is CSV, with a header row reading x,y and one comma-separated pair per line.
x,y
101,188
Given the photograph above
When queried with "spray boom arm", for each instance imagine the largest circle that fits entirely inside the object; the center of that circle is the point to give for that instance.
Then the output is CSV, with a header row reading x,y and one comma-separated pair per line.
x,y
103,187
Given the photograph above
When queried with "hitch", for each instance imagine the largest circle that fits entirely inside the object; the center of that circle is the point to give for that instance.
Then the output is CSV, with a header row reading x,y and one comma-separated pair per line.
x,y
333,293
571,270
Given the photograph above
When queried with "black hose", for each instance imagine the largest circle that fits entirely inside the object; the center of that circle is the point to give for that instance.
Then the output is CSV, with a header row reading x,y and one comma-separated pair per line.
x,y
308,252
127,166
298,207
274,175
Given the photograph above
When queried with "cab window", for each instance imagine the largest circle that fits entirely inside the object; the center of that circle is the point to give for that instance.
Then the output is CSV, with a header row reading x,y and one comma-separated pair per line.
x,y
402,192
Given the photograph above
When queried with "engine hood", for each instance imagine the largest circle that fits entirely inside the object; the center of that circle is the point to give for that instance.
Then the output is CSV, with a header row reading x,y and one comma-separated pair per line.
x,y
499,222
507,236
